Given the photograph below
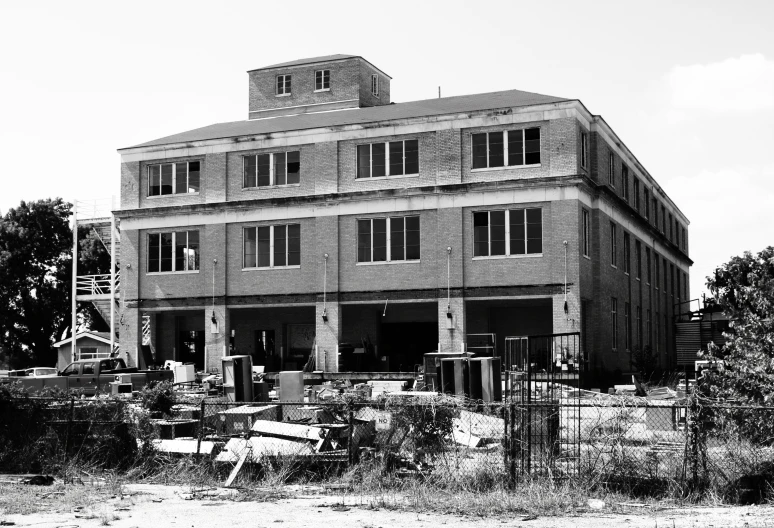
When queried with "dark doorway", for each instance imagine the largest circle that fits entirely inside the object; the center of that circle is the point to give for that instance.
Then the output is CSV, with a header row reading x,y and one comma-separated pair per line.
x,y
404,345
191,347
265,351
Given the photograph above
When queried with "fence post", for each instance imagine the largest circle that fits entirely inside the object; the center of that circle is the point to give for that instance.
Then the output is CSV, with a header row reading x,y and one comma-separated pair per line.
x,y
201,428
350,451
67,430
692,419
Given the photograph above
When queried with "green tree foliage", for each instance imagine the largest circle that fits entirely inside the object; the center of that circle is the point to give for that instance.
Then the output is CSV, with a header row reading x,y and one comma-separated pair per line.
x,y
35,279
744,287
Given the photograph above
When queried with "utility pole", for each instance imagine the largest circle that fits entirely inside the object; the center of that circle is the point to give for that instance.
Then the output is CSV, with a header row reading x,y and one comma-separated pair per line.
x,y
73,305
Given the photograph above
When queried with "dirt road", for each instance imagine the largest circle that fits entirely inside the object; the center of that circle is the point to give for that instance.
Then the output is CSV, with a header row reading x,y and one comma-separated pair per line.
x,y
167,506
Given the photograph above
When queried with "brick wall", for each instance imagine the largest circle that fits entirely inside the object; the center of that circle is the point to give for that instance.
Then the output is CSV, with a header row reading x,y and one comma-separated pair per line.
x,y
235,178
366,97
262,85
428,165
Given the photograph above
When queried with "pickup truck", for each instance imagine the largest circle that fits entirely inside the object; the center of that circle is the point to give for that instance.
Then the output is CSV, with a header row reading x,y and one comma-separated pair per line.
x,y
95,375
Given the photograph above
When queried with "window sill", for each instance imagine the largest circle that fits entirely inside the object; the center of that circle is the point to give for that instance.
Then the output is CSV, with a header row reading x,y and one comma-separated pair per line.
x,y
322,90
388,262
172,272
507,167
498,257
264,187
283,95
587,257
265,268
613,266
173,195
396,177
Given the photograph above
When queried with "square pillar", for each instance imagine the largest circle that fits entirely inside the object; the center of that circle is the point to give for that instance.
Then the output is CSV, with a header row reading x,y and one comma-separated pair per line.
x,y
216,344
570,321
451,332
129,336
328,335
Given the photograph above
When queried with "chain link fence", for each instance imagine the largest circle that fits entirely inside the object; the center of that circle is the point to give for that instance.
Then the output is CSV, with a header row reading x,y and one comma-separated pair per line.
x,y
627,443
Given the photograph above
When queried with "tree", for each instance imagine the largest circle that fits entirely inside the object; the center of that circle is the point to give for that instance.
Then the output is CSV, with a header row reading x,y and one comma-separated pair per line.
x,y
35,279
744,287
34,286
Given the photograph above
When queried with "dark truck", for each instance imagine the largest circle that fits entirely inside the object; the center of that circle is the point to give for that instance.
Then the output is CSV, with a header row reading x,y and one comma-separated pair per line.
x,y
95,375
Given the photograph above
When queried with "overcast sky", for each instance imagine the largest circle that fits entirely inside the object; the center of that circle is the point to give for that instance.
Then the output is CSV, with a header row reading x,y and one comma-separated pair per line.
x,y
688,86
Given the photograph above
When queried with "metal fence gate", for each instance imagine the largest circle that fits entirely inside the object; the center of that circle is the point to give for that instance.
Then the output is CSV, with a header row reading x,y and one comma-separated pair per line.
x,y
542,376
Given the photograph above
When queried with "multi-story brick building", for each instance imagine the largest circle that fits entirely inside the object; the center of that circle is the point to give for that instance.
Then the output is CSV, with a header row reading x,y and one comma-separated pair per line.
x,y
333,215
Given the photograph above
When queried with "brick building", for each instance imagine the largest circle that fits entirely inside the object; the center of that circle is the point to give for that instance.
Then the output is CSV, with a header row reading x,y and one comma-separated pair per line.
x,y
333,215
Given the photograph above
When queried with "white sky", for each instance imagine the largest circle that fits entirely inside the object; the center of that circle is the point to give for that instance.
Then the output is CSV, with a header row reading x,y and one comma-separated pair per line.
x,y
688,86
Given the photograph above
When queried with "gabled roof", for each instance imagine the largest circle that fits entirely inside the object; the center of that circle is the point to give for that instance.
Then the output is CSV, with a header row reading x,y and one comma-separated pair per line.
x,y
358,116
311,60
103,337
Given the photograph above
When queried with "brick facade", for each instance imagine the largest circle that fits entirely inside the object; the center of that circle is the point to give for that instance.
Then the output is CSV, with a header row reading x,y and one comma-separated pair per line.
x,y
513,295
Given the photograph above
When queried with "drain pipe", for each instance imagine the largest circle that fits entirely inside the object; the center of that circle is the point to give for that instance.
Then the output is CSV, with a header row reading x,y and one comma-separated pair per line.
x,y
566,308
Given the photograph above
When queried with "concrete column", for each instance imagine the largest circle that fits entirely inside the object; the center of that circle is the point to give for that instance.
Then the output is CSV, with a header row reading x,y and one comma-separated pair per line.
x,y
130,336
451,332
216,344
570,321
328,334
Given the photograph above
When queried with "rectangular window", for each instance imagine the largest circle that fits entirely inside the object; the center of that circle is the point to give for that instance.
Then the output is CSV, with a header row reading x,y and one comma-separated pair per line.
x,y
636,183
177,251
611,169
657,333
276,246
613,245
656,268
283,84
647,265
614,322
685,241
322,80
638,326
627,253
510,148
648,327
677,234
677,287
655,213
672,279
584,149
375,84
625,182
638,260
671,229
586,233
510,232
627,326
664,262
646,195
396,158
663,220
390,239
268,170
174,178
685,286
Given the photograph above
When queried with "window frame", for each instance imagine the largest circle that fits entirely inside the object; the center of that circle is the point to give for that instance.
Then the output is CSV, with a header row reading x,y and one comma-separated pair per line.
x,y
614,245
611,169
287,85
375,85
637,260
586,233
646,195
174,165
324,87
272,239
386,160
507,216
625,182
584,150
388,241
272,171
647,266
174,256
614,323
627,249
636,193
505,152
627,326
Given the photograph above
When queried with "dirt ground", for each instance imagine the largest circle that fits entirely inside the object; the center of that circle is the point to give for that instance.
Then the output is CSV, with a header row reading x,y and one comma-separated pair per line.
x,y
161,506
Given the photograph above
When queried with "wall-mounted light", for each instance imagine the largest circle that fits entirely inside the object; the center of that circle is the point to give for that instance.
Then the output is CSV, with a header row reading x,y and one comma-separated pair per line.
x,y
128,265
214,324
325,315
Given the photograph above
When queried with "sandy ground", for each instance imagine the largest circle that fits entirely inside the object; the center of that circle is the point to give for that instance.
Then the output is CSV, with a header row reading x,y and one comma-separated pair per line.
x,y
162,506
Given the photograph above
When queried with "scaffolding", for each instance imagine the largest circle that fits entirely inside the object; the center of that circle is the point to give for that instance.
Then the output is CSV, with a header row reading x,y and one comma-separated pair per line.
x,y
99,289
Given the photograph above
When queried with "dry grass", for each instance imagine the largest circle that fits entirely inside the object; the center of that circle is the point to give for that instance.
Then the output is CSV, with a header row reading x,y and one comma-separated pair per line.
x,y
24,499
